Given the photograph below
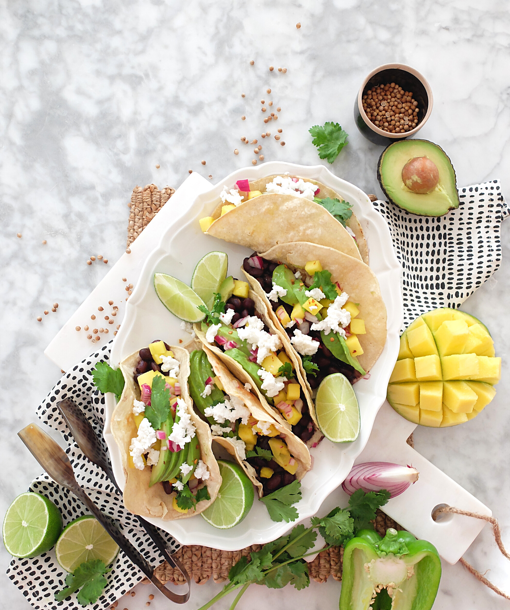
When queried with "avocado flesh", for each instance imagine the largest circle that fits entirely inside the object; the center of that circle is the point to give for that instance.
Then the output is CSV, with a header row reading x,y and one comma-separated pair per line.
x,y
436,203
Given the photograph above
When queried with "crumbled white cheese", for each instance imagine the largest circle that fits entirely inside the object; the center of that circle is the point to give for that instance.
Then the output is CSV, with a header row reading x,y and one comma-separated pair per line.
x,y
141,443
252,329
138,407
179,485
297,274
207,390
304,344
231,410
337,318
290,324
315,293
226,317
202,472
276,292
152,457
218,430
240,447
188,327
271,385
211,332
247,386
351,232
254,334
231,196
264,427
171,366
183,430
287,186
186,469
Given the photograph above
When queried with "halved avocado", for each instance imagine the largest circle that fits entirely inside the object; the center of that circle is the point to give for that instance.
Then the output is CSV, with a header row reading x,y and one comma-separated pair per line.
x,y
443,196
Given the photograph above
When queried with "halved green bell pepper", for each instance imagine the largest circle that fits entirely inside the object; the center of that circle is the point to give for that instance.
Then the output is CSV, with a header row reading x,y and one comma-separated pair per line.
x,y
396,572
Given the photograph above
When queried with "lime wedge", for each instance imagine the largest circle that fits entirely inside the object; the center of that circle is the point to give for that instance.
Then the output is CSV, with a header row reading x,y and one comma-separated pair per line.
x,y
209,273
178,298
32,525
337,409
84,539
234,499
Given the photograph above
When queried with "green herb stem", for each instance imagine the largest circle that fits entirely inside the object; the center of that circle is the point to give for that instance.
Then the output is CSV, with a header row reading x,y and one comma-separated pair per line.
x,y
225,591
294,559
240,594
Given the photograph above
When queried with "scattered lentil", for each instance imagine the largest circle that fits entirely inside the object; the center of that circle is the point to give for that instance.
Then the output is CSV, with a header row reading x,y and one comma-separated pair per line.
x,y
268,133
279,69
277,137
262,101
100,308
242,95
92,317
269,90
85,328
89,336
39,319
261,157
203,162
190,171
266,120
46,312
89,262
278,109
243,118
271,68
263,109
262,135
110,321
284,70
282,143
55,305
53,309
270,104
158,166
78,328
275,117
110,302
298,25
106,331
95,331
44,242
254,162
124,279
97,338
151,596
391,108
92,258
107,317
251,62
18,235
254,141
280,130
128,251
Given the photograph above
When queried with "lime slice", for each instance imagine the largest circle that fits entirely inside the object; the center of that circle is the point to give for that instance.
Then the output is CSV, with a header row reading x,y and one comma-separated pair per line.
x,y
178,298
32,525
208,276
84,539
337,409
234,499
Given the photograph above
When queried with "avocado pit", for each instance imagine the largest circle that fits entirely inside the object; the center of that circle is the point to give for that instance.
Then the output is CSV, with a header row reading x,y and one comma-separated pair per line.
x,y
420,175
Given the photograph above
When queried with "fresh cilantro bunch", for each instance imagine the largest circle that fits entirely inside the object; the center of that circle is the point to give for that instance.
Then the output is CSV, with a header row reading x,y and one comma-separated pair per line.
x,y
186,500
107,379
90,578
286,370
213,316
281,562
329,139
310,367
341,210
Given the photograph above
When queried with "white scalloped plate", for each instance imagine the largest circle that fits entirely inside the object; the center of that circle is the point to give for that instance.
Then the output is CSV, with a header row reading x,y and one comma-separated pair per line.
x,y
146,319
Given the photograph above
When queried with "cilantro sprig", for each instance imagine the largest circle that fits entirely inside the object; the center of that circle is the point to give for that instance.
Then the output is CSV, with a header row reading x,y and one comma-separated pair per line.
x,y
281,562
322,280
213,316
329,139
279,503
186,500
310,367
157,412
107,379
286,370
259,452
341,210
90,578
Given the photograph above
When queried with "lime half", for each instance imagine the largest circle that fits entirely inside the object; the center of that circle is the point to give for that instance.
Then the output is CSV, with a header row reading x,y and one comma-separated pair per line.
x,y
84,539
178,298
337,409
32,525
208,276
234,499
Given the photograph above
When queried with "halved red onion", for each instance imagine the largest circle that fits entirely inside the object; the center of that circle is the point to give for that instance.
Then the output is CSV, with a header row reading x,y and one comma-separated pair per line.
x,y
243,185
257,262
220,340
310,317
374,476
240,322
305,328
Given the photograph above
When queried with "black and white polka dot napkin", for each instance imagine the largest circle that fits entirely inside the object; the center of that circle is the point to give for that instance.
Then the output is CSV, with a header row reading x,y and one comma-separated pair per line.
x,y
446,259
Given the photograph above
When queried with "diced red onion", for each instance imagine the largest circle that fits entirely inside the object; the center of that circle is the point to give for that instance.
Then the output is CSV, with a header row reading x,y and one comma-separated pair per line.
x,y
257,262
374,476
305,328
209,381
367,376
339,287
243,185
317,191
298,404
169,387
292,461
193,483
230,345
310,427
220,340
310,317
295,179
173,407
160,435
299,321
285,408
174,447
177,389
145,394
240,322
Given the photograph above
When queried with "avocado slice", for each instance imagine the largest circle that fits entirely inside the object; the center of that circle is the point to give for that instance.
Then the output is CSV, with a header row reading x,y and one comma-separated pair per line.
x,y
227,288
442,197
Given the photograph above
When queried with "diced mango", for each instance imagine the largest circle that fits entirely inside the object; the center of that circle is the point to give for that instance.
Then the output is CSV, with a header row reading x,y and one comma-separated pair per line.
x,y
459,397
291,466
280,451
451,336
460,366
352,308
485,393
404,393
271,430
312,306
490,351
218,384
354,345
284,358
428,368
283,316
489,370
293,391
404,351
435,318
292,415
205,223
157,350
226,208
138,419
432,419
280,397
312,267
148,377
404,371
176,507
431,395
247,435
266,473
478,341
421,342
253,194
297,312
452,419
358,327
410,413
170,380
416,324
272,363
241,289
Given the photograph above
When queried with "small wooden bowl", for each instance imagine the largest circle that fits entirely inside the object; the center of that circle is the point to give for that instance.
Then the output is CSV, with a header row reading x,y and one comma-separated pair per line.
x,y
410,80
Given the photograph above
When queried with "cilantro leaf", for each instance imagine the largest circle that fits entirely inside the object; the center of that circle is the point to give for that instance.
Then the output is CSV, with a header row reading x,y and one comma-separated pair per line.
x,y
337,527
279,503
295,573
322,280
363,506
157,412
107,379
259,452
300,541
202,494
310,367
286,370
341,210
263,556
329,139
218,307
89,576
185,499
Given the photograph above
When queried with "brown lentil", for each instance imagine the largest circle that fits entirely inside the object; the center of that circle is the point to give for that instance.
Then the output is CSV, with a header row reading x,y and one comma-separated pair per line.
x,y
89,262
128,251
203,162
262,101
100,308
391,108
85,328
269,90
190,171
262,135
254,141
263,109
39,319
251,62
279,69
18,235
53,309
110,302
44,242
158,166
78,328
270,104
236,152
92,258
254,162
280,130
242,95
298,25
95,331
55,305
278,109
282,143
97,338
261,157
46,312
277,137
243,118
89,337
284,70
271,68
92,317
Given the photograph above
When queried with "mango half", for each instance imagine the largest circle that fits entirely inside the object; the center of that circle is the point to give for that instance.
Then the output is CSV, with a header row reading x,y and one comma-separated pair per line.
x,y
446,369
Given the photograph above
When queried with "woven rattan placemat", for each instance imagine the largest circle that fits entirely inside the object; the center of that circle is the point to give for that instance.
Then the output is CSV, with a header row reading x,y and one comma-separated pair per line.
x,y
203,562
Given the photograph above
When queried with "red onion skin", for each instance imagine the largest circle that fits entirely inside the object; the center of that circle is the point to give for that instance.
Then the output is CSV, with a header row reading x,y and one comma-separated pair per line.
x,y
145,394
240,322
174,447
305,328
220,340
371,476
256,262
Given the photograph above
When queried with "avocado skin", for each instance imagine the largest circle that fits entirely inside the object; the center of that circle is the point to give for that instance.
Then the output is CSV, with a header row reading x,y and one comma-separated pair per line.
x,y
409,206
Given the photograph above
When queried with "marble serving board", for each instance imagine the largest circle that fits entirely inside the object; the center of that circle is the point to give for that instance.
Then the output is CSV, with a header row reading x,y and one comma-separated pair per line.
x,y
452,536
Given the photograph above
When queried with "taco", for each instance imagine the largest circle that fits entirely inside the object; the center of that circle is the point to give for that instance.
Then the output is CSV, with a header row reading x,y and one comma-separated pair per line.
x,y
171,472
246,340
283,209
268,452
327,307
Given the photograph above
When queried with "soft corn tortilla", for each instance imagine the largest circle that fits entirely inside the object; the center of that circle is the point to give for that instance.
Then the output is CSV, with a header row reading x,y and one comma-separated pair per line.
x,y
237,370
233,387
270,219
352,223
139,498
355,278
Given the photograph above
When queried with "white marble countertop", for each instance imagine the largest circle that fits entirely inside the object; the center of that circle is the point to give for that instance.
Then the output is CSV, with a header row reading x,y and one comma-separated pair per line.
x,y
97,98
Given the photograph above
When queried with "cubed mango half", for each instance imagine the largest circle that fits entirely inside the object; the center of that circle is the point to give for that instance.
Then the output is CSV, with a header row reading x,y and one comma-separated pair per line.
x,y
451,336
459,397
428,368
404,371
421,341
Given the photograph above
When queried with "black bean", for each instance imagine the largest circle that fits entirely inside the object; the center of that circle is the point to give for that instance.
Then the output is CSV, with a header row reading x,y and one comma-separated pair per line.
x,y
332,370
272,266
145,354
274,466
244,313
235,301
267,283
325,350
246,265
288,478
313,381
306,435
275,305
263,443
257,462
249,304
274,482
235,318
230,306
155,367
256,272
142,367
322,362
167,486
